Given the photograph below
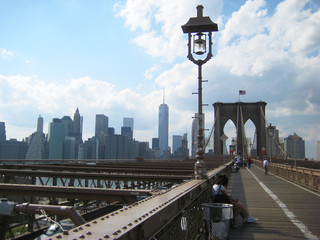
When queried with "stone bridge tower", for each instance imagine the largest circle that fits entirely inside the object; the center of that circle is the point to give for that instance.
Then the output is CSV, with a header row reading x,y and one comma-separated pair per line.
x,y
239,113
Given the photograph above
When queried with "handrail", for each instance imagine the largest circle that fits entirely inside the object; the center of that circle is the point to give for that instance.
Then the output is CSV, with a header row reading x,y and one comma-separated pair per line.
x,y
158,216
306,177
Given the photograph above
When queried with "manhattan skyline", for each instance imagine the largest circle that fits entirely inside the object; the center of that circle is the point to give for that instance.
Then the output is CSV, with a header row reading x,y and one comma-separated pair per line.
x,y
116,57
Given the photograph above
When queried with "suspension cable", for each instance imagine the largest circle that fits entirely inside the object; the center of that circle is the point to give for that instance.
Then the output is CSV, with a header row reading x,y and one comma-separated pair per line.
x,y
273,137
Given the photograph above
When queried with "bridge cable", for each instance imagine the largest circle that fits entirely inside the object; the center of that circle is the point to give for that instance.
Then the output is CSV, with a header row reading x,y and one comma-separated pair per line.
x,y
273,137
213,127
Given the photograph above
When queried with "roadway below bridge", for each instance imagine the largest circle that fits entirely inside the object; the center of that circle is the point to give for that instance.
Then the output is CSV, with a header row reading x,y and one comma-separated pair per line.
x,y
285,210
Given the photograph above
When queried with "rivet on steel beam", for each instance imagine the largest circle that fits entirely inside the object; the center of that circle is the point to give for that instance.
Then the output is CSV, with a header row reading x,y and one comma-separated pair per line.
x,y
82,236
88,233
129,224
65,232
88,225
136,220
102,219
106,236
59,236
75,230
124,227
95,221
107,216
115,233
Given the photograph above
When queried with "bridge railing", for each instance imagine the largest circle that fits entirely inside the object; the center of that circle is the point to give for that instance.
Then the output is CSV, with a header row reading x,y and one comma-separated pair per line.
x,y
175,213
307,177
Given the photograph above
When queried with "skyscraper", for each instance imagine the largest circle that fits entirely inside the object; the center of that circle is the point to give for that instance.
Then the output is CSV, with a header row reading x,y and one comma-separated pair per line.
x,y
36,149
56,136
128,122
163,130
2,132
77,122
294,146
101,128
176,142
126,131
318,151
40,124
77,131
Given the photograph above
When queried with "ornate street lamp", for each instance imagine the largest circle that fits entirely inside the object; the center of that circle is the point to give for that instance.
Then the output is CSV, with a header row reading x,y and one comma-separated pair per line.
x,y
199,31
270,134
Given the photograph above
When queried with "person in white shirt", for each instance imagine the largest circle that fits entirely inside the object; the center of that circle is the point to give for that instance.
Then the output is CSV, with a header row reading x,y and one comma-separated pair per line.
x,y
220,195
265,165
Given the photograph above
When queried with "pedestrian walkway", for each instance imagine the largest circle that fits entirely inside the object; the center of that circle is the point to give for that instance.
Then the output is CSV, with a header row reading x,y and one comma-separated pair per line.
x,y
284,210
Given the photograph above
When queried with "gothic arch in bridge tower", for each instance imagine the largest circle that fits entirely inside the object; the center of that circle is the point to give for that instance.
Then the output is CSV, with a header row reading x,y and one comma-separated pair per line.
x,y
239,113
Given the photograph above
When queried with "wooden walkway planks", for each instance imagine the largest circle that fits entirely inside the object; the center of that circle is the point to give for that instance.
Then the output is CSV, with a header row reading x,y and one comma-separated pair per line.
x,y
273,222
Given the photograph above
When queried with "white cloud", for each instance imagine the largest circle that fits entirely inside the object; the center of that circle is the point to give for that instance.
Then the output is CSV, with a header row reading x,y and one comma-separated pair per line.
x,y
253,42
160,24
149,72
246,22
4,53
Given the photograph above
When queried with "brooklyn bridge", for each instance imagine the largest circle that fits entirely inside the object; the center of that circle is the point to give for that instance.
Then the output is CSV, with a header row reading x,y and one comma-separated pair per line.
x,y
156,199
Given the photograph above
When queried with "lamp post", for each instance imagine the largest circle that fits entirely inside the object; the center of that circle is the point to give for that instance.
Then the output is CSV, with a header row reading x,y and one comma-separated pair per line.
x,y
199,29
270,134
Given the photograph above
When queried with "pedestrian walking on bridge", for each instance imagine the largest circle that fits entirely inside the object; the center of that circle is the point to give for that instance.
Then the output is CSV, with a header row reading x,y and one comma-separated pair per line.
x,y
265,165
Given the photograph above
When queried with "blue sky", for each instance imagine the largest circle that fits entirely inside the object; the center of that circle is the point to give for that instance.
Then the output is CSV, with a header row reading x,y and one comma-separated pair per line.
x,y
116,57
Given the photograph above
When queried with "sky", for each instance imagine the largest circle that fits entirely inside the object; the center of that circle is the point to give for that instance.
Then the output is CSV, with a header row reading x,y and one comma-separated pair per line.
x,y
120,58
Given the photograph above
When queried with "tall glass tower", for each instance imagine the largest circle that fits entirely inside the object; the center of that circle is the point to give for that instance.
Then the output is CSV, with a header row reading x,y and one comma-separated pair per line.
x,y
102,122
128,127
56,136
163,132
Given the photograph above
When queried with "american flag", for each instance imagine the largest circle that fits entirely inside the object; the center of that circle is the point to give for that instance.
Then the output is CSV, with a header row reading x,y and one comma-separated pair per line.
x,y
242,92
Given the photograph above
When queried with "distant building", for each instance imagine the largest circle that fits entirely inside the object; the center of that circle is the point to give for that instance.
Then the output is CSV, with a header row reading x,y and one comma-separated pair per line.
x,y
182,150
69,145
126,131
101,127
40,124
294,146
36,149
68,125
111,131
116,147
155,148
176,143
13,149
91,148
128,122
318,151
133,149
144,150
2,132
56,136
77,130
275,147
163,130
155,143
